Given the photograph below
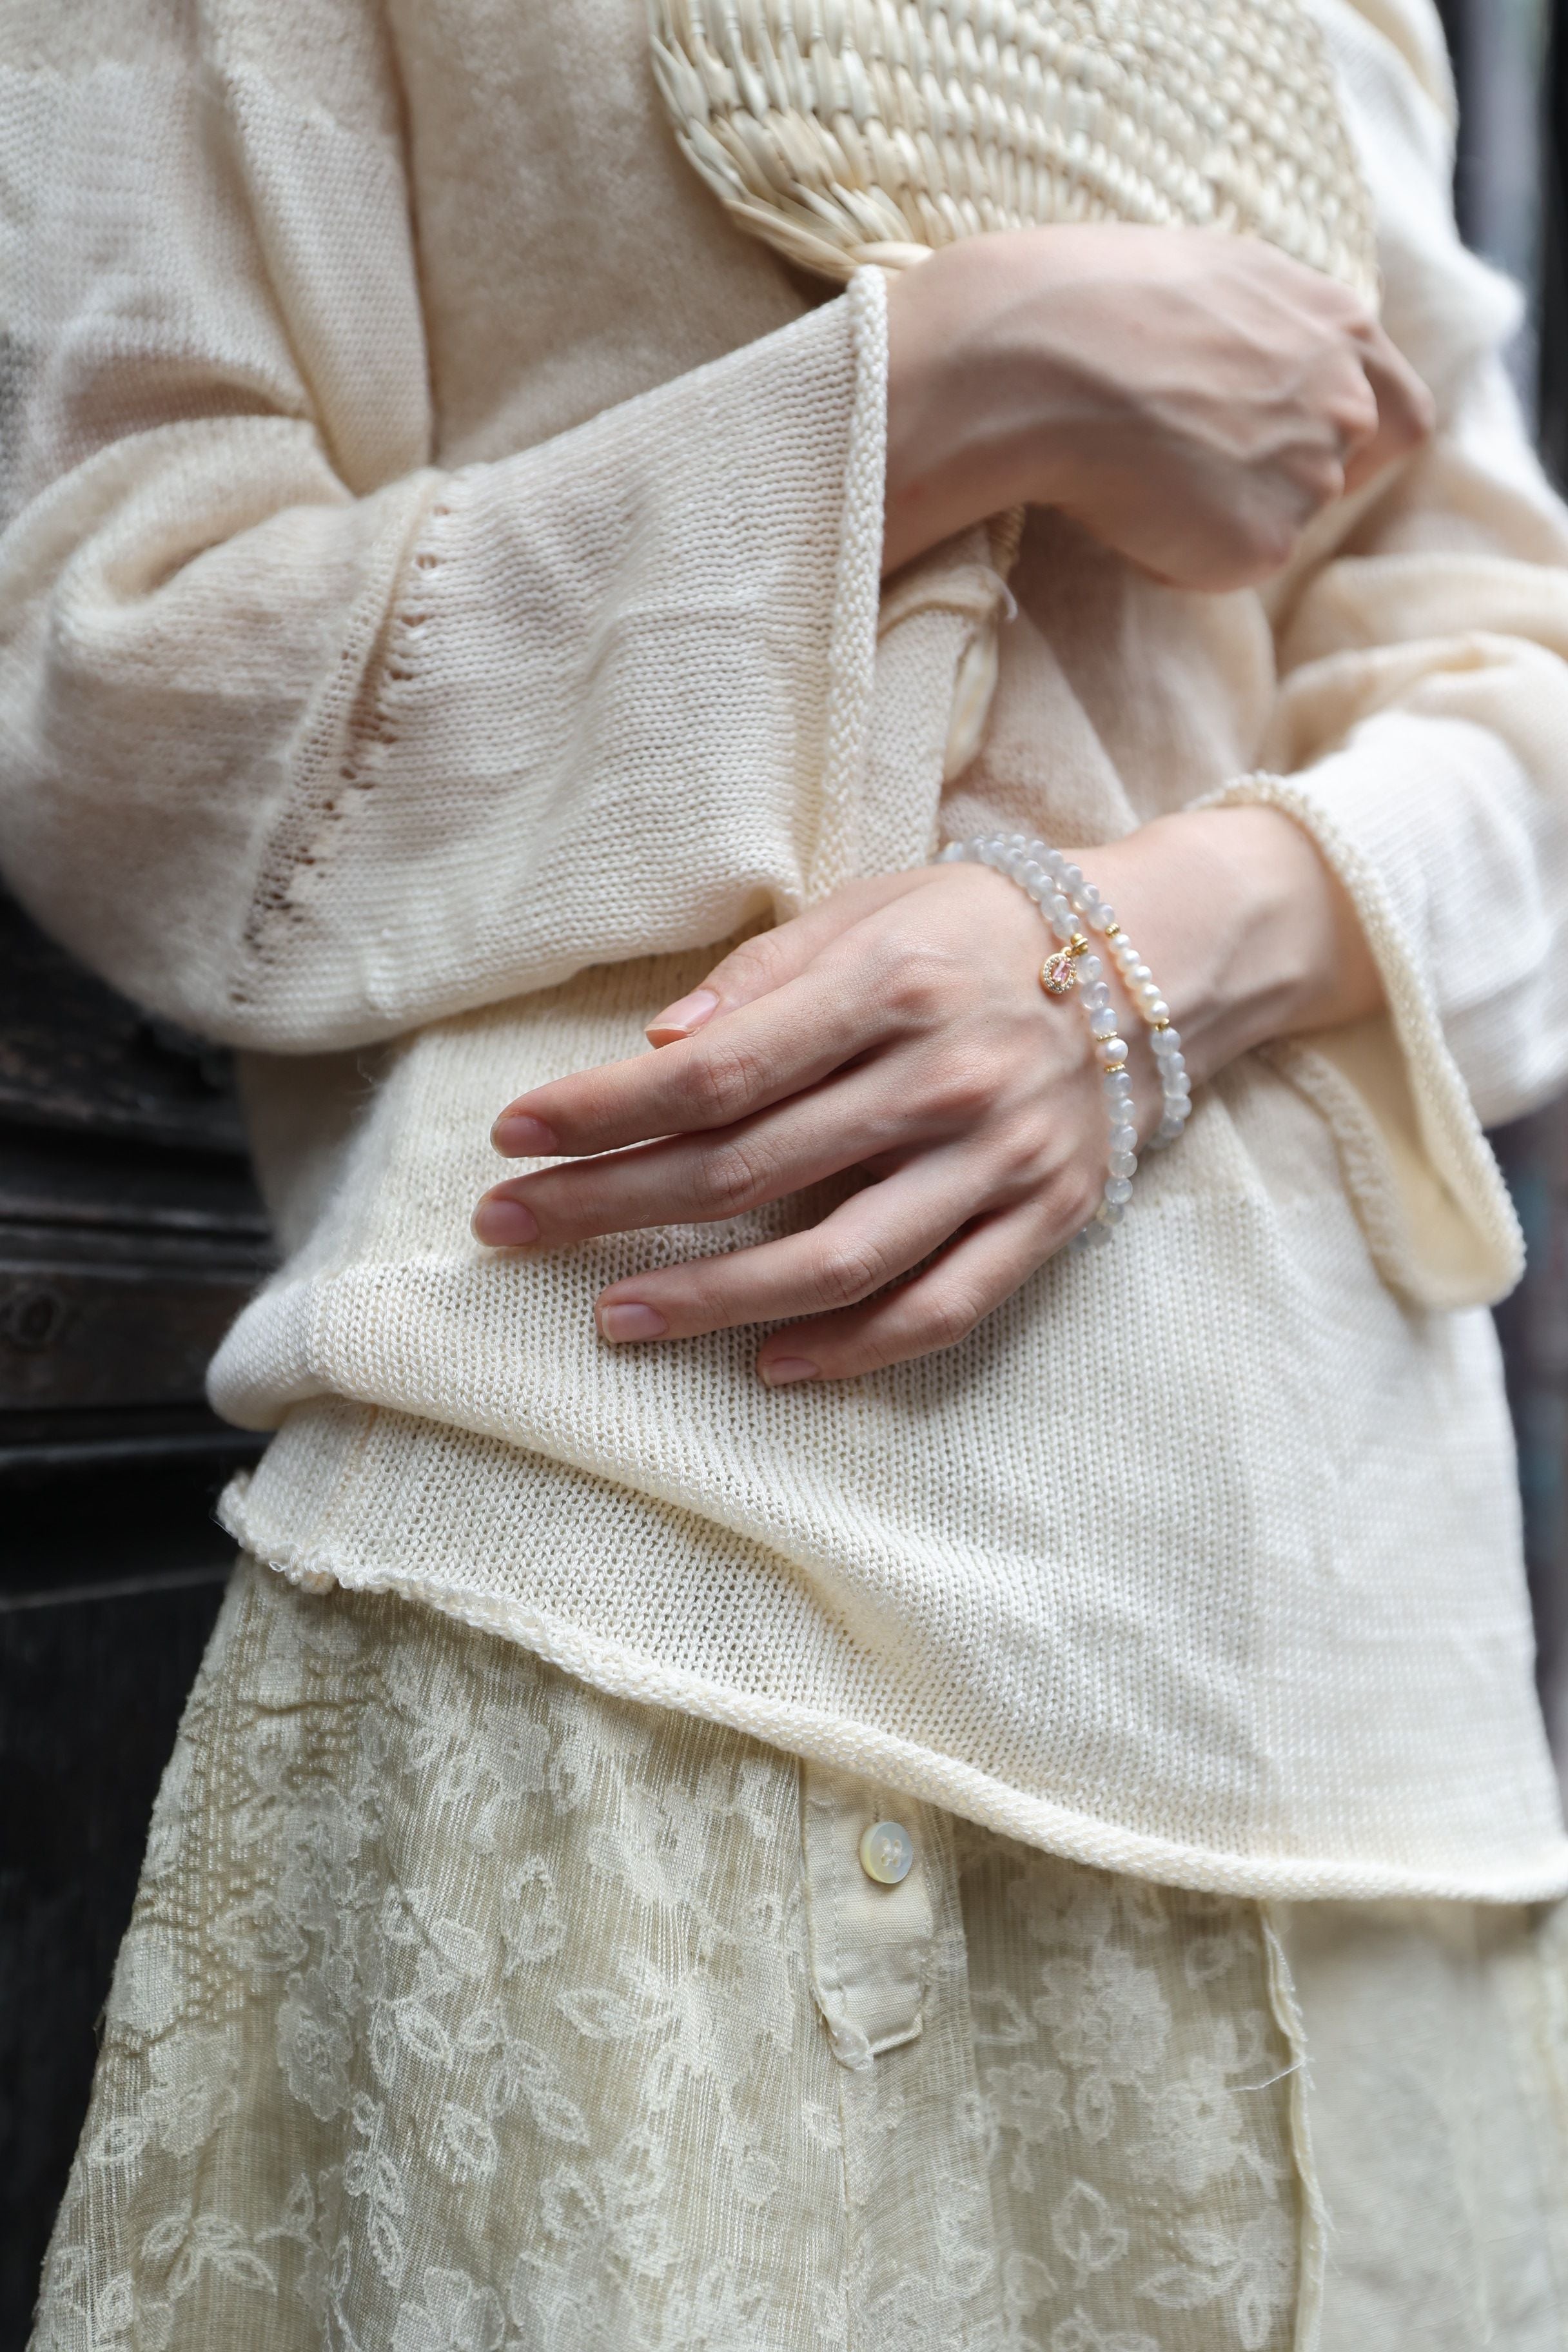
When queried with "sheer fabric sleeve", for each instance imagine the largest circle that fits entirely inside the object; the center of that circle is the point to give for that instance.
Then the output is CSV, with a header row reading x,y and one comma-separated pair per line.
x,y
1421,728
305,740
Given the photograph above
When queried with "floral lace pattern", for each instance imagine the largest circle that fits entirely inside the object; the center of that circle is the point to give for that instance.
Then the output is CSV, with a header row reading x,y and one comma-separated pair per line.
x,y
466,2010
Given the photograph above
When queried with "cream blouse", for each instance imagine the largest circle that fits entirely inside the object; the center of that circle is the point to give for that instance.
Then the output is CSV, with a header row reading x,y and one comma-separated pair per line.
x,y
439,602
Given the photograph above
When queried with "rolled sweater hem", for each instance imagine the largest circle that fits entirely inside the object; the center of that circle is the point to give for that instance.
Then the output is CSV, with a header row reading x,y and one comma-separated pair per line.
x,y
924,1773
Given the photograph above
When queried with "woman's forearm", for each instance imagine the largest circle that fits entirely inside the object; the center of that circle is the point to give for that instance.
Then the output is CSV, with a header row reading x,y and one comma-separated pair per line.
x,y
1252,935
1194,399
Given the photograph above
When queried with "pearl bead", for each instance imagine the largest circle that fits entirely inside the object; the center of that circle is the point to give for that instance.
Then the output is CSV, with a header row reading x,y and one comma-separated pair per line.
x,y
1156,1009
1112,1052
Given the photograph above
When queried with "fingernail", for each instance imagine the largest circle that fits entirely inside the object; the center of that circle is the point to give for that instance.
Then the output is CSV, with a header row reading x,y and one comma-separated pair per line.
x,y
522,1138
504,1224
680,1019
631,1321
780,1370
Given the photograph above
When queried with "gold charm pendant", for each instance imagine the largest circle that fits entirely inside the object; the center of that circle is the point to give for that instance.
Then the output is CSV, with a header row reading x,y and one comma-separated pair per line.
x,y
1058,974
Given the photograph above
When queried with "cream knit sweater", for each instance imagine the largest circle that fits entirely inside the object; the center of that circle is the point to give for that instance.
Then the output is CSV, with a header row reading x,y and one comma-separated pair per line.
x,y
439,602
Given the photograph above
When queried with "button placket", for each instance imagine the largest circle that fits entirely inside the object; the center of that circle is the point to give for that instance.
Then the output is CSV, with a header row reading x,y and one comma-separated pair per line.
x,y
869,1910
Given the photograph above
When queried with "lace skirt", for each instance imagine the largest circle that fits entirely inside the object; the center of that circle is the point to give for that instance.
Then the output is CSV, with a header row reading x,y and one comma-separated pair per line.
x,y
464,2009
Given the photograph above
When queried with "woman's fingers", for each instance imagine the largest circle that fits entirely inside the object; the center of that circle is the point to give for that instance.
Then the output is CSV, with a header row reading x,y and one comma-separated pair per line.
x,y
868,1243
1405,410
698,1179
760,964
938,1306
895,970
754,969
867,1240
793,1038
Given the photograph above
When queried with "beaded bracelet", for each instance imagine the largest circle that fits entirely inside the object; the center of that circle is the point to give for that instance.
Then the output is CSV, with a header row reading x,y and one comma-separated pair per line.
x,y
1074,895
1061,892
1074,965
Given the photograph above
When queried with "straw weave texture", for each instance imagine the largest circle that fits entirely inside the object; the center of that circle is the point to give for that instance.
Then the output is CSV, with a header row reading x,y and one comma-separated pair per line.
x,y
843,132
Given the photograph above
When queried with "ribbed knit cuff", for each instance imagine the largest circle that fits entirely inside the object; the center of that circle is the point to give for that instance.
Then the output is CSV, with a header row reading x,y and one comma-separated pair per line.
x,y
1428,1192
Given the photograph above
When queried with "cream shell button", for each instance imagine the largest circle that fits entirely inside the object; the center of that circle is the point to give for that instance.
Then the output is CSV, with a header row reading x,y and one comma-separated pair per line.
x,y
887,1852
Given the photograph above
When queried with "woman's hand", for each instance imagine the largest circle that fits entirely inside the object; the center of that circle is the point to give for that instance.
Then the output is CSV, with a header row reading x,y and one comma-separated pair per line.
x,y
1192,397
899,1031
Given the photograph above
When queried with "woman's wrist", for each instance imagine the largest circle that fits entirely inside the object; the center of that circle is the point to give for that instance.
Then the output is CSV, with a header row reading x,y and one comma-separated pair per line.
x,y
1249,933
956,450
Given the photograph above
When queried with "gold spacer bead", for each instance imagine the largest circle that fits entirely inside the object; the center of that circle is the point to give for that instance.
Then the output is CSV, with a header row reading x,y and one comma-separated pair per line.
x,y
1114,931
1077,945
1162,1025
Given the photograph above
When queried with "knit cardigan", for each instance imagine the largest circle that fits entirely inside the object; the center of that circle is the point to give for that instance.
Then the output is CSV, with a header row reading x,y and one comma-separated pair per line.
x,y
439,605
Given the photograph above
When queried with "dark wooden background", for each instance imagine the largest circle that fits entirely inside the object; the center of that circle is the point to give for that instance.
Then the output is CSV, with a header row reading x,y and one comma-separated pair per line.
x,y
129,1233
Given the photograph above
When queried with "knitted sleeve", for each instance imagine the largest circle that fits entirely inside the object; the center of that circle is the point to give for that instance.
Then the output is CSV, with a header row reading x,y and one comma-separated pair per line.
x,y
1421,729
305,740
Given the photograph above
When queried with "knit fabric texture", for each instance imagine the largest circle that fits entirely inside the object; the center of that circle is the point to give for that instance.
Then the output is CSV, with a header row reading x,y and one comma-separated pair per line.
x,y
465,2009
420,654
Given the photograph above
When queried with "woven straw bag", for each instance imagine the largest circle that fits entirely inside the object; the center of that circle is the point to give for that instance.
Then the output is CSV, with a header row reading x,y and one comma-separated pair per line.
x,y
845,132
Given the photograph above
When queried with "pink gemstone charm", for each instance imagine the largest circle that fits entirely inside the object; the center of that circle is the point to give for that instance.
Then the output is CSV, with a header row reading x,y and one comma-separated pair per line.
x,y
1058,972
